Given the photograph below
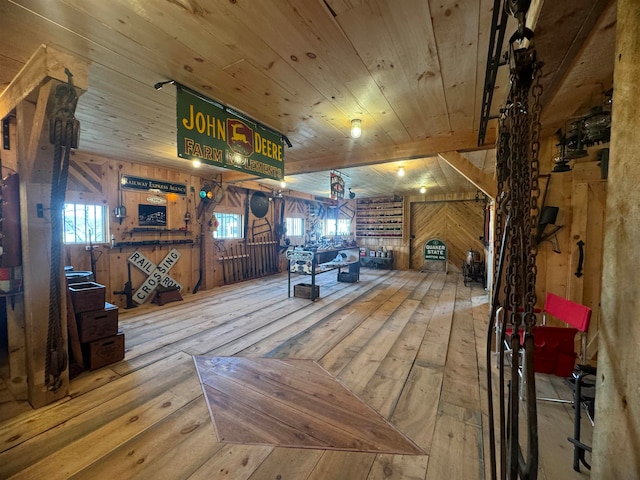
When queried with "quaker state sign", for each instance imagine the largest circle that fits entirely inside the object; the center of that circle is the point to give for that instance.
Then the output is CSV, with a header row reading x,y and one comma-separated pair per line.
x,y
435,249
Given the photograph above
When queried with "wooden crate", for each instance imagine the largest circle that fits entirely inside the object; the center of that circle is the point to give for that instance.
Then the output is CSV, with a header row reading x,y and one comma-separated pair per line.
x,y
303,290
104,351
98,324
87,296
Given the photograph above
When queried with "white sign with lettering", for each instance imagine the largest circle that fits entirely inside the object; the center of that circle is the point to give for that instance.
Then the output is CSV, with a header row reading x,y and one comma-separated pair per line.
x,y
158,274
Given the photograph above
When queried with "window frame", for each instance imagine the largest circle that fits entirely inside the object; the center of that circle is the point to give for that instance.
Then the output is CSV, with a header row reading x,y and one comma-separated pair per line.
x,y
222,218
295,226
70,220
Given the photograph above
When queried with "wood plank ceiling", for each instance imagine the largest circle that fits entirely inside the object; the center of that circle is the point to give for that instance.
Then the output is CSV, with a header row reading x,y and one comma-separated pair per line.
x,y
412,70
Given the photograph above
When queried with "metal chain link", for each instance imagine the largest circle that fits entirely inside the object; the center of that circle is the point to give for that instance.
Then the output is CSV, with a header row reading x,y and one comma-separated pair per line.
x,y
517,169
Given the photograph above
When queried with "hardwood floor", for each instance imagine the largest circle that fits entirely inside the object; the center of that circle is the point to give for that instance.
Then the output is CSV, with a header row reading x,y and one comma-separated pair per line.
x,y
411,345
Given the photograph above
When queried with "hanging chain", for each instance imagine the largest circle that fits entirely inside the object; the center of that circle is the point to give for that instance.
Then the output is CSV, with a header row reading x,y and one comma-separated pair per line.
x,y
517,212
530,296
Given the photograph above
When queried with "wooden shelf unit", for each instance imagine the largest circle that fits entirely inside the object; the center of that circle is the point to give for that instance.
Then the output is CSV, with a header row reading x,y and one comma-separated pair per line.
x,y
380,217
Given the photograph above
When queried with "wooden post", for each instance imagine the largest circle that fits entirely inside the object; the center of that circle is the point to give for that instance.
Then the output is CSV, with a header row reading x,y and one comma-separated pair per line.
x,y
31,93
616,443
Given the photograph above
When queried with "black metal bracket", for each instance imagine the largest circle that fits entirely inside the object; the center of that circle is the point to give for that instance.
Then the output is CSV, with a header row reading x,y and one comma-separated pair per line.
x,y
496,39
6,138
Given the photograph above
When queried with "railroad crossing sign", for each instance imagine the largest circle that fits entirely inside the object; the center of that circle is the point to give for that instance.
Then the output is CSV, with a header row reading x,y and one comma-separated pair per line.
x,y
158,274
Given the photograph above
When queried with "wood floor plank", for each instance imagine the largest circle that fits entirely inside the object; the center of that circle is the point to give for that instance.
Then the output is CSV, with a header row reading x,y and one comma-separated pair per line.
x,y
173,447
363,366
232,462
375,315
149,381
408,340
436,341
460,384
353,466
293,325
287,463
95,437
415,414
465,440
314,342
399,467
383,390
278,407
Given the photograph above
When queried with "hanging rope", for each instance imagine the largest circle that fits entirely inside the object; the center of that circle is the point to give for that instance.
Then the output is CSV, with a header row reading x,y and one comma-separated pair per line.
x,y
63,134
516,220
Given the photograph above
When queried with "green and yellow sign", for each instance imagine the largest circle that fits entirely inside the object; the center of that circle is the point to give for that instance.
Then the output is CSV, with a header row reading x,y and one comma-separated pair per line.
x,y
215,136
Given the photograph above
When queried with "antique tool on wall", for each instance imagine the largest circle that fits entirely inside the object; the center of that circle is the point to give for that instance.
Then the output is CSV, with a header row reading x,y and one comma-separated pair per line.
x,y
518,201
127,290
120,212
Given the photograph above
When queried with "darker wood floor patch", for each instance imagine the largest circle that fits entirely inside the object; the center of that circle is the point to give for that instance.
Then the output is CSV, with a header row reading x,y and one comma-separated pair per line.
x,y
292,403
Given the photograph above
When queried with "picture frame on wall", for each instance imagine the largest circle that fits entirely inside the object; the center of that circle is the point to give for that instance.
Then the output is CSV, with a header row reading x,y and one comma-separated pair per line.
x,y
152,215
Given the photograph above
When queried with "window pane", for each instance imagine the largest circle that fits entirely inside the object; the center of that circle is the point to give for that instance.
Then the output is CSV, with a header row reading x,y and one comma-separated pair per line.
x,y
230,226
84,223
344,227
295,227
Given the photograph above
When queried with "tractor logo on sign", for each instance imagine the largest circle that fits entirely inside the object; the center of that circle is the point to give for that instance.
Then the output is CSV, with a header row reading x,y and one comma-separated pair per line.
x,y
239,137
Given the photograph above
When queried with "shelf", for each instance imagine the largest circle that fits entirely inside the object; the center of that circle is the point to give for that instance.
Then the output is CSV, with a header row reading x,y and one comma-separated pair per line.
x,y
380,217
158,231
153,243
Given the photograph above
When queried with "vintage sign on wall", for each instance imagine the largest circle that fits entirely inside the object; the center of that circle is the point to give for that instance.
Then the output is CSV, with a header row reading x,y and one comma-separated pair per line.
x,y
210,133
138,183
337,187
157,274
435,249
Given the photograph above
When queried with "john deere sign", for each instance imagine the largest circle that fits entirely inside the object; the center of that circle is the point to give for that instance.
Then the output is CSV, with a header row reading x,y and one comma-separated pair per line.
x,y
215,136
435,249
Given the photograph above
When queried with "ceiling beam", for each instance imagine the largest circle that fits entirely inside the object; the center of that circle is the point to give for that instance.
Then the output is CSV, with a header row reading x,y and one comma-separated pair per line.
x,y
428,147
572,27
468,170
45,63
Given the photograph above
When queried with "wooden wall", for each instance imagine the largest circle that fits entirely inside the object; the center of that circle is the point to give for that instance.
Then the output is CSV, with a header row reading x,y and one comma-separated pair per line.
x,y
95,179
460,224
581,196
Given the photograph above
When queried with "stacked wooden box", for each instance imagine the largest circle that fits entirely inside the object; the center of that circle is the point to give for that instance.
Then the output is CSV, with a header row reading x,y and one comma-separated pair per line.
x,y
97,322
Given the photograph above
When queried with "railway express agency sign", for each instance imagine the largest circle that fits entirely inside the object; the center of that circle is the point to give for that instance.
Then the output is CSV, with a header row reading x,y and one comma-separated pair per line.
x,y
215,136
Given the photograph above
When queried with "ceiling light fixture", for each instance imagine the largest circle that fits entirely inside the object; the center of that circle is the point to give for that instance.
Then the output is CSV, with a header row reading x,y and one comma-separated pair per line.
x,y
401,172
423,189
283,184
196,164
356,128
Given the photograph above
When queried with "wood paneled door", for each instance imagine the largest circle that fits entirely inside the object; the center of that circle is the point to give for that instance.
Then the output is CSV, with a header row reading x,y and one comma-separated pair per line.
x,y
459,224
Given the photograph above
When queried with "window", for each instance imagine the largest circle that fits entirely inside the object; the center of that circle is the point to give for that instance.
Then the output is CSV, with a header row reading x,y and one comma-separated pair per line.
x,y
295,227
230,226
85,223
344,226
